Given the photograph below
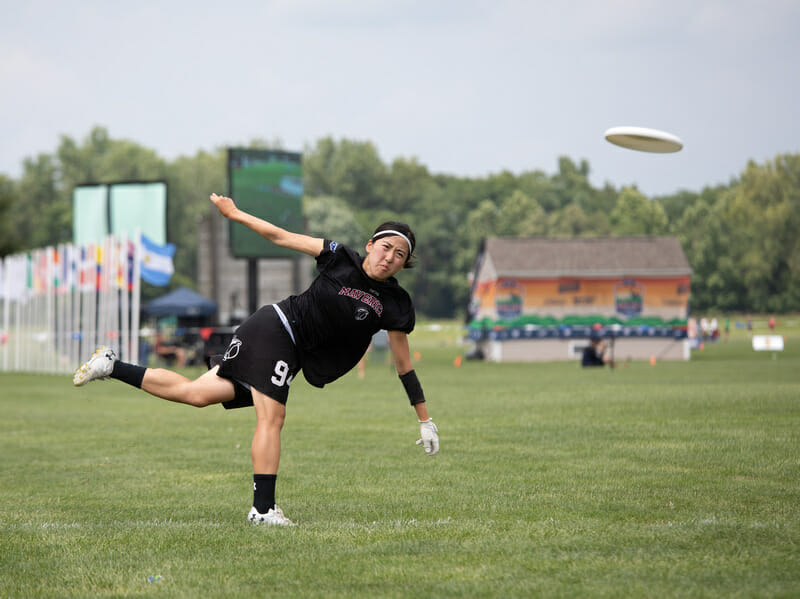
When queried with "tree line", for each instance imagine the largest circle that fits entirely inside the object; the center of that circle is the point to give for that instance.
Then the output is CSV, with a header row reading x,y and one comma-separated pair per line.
x,y
740,239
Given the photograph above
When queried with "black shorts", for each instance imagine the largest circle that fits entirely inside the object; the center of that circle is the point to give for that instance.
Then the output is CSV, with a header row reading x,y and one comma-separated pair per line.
x,y
261,356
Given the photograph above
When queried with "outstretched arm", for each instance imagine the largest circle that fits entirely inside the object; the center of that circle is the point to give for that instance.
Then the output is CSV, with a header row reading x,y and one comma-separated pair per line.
x,y
293,241
398,341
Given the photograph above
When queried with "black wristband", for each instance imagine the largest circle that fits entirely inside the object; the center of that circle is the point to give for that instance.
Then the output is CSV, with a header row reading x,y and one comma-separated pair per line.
x,y
412,387
128,373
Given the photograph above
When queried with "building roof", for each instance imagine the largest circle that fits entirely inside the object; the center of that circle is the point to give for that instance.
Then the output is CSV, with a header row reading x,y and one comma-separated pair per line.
x,y
540,257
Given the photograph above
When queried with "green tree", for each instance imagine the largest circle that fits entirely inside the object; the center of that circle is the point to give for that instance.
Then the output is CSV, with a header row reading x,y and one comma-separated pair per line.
x,y
675,205
572,184
332,218
763,213
571,221
10,241
538,185
406,183
521,216
318,162
601,205
704,237
350,170
43,214
190,182
100,159
436,286
740,238
497,187
484,221
634,214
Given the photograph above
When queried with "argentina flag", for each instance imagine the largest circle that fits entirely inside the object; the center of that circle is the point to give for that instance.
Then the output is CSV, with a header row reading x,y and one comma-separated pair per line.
x,y
156,263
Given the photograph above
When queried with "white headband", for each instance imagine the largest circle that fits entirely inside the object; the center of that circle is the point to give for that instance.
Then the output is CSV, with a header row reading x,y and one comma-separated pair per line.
x,y
393,232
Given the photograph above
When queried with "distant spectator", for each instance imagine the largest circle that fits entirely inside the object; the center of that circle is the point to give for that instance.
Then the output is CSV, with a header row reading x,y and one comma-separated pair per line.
x,y
727,328
691,328
704,328
771,323
594,353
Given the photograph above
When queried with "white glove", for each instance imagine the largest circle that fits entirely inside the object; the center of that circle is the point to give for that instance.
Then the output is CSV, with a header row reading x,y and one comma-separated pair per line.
x,y
430,436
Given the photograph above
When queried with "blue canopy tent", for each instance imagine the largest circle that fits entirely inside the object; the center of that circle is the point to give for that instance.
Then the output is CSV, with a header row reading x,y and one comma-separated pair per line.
x,y
193,312
183,303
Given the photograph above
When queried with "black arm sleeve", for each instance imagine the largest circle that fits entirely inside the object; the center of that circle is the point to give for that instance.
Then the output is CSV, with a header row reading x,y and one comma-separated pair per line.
x,y
412,387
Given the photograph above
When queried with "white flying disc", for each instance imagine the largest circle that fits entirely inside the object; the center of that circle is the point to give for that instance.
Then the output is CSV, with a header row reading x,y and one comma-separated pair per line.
x,y
644,140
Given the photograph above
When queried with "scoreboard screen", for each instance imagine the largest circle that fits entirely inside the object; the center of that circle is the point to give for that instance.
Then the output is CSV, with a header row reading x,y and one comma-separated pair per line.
x,y
267,184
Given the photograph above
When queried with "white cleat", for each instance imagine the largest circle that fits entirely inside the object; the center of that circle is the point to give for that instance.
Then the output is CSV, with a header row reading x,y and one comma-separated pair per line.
x,y
99,366
273,516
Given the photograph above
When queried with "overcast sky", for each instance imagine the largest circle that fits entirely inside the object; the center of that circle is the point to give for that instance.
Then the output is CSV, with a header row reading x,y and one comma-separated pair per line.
x,y
468,87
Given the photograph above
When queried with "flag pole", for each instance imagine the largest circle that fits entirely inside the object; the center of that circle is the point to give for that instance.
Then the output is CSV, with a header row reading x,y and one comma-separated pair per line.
x,y
125,346
136,295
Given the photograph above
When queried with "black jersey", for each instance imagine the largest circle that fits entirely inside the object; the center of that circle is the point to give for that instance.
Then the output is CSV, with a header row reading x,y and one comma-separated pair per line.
x,y
333,321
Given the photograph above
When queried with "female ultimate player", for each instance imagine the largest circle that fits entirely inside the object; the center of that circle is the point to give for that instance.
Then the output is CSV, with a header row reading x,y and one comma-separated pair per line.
x,y
324,331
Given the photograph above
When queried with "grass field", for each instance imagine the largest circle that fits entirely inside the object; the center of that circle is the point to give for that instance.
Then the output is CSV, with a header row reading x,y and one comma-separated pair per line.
x,y
677,480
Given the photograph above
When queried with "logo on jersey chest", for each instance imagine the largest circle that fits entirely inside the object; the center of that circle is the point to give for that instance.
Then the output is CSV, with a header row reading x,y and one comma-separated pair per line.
x,y
364,297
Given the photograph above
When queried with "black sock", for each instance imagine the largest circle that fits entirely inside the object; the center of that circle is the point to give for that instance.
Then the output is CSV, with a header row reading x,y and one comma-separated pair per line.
x,y
128,373
264,492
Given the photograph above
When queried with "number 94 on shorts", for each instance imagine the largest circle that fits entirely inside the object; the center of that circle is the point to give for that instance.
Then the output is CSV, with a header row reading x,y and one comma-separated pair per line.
x,y
283,374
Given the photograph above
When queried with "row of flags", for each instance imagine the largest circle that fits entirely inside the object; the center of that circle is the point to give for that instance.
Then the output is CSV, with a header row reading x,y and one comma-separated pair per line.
x,y
93,267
